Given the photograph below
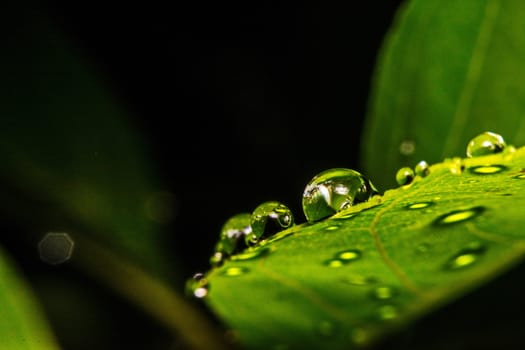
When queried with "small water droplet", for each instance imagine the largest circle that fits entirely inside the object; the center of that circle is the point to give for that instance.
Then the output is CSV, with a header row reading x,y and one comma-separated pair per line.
x,y
235,271
217,259
487,169
457,165
232,234
404,176
268,219
419,205
334,263
358,280
332,228
348,255
387,312
422,248
197,286
484,144
334,190
56,248
422,169
383,292
346,216
458,216
326,329
251,255
407,147
466,256
520,176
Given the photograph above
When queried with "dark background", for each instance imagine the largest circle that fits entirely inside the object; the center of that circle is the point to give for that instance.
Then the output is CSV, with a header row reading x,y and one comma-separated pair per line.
x,y
242,102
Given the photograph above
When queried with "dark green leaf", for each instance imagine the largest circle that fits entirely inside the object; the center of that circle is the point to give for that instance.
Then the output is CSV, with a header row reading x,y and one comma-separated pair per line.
x,y
356,277
445,72
68,144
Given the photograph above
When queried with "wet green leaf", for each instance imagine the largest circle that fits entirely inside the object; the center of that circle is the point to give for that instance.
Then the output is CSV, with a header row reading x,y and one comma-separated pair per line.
x,y
23,325
444,72
368,271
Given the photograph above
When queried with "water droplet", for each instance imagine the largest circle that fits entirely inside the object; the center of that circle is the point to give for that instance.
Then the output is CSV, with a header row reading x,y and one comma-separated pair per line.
x,y
387,312
232,234
419,205
407,147
466,256
358,280
457,166
332,228
334,263
422,169
217,259
404,176
346,216
56,248
348,255
484,144
268,219
422,248
334,190
520,176
458,216
383,292
487,169
197,286
235,271
251,255
326,328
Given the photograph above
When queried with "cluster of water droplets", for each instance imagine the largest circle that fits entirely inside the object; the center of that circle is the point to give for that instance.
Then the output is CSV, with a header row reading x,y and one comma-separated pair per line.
x,y
326,194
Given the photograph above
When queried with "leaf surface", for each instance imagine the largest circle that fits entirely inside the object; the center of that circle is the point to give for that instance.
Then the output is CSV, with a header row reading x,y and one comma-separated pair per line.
x,y
352,279
444,72
23,325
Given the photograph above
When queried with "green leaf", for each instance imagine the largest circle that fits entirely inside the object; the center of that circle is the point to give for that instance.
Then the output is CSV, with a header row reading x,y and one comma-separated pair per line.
x,y
366,272
23,325
444,72
68,144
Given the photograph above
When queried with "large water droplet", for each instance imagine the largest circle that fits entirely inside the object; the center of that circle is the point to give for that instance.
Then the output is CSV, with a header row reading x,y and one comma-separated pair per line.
x,y
458,216
334,190
422,169
484,144
232,234
404,176
268,219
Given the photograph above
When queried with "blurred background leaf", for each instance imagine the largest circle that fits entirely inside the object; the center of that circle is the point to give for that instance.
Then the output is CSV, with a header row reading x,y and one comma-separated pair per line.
x,y
23,325
445,73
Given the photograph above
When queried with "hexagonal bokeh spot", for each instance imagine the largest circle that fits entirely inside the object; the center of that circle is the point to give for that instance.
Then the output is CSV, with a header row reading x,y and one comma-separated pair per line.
x,y
56,248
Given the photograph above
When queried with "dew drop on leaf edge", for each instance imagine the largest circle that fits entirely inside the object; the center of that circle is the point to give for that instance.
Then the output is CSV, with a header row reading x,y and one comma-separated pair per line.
x,y
267,219
334,190
484,144
422,169
404,176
